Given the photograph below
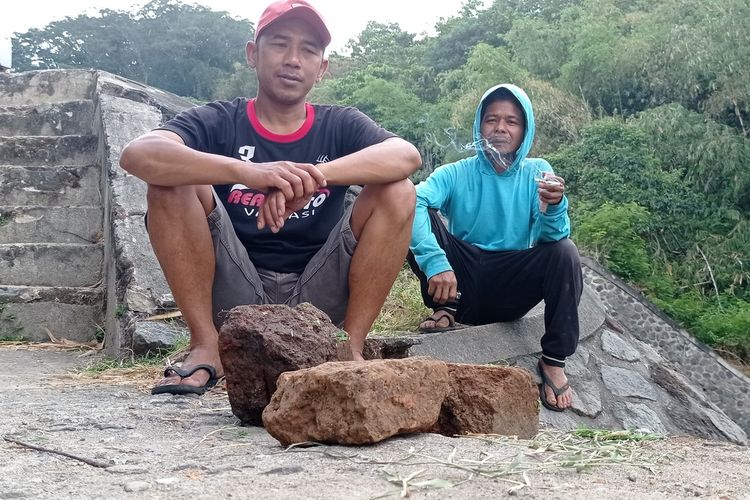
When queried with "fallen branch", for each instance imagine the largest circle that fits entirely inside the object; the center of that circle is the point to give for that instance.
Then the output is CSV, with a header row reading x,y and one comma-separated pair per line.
x,y
93,463
169,315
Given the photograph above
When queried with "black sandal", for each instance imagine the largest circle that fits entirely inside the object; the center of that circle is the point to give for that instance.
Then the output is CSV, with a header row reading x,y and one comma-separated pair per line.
x,y
185,388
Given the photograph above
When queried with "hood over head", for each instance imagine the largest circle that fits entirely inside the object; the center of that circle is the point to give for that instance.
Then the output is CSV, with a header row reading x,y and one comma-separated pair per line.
x,y
528,138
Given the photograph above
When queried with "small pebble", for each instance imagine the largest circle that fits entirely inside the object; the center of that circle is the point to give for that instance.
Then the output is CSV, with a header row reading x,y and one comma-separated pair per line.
x,y
136,486
166,481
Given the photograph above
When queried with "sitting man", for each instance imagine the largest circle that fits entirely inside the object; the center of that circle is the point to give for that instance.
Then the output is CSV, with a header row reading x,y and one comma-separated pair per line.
x,y
506,247
246,199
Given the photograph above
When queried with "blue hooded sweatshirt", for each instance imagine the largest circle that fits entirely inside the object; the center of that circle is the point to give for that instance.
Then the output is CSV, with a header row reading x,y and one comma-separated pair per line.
x,y
493,211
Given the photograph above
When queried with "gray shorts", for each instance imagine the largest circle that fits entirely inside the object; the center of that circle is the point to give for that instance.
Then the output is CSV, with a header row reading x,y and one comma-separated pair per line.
x,y
324,282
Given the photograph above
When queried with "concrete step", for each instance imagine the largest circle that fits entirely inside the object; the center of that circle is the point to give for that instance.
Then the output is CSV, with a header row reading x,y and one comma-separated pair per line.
x,y
39,150
65,118
46,86
50,224
68,185
29,313
52,264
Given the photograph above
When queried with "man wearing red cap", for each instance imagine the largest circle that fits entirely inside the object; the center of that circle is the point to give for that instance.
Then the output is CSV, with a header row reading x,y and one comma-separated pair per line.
x,y
246,198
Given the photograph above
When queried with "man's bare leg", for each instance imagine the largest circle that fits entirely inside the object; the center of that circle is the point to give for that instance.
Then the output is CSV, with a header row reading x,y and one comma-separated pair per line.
x,y
381,221
182,243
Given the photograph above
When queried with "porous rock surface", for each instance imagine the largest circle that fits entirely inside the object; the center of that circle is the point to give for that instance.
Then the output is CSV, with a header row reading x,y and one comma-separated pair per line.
x,y
357,403
259,343
489,400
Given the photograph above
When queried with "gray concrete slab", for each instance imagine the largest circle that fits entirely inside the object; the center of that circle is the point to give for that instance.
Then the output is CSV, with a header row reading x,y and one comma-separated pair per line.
x,y
64,185
48,151
50,224
31,313
51,119
54,264
498,341
46,86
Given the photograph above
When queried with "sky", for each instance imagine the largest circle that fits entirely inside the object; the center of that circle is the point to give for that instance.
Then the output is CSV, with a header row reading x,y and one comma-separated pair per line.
x,y
345,19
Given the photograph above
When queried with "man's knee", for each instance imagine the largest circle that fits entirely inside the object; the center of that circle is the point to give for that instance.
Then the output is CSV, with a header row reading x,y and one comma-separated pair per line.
x,y
168,198
397,198
566,251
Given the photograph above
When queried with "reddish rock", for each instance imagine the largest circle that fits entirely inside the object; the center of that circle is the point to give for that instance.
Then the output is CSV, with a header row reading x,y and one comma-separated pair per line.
x,y
259,343
489,400
357,403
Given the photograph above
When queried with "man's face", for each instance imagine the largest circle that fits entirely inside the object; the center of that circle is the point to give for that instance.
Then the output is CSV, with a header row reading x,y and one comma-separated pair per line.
x,y
503,126
288,59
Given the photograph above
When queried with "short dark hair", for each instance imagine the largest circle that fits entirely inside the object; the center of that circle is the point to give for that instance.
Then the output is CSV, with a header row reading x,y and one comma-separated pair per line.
x,y
501,94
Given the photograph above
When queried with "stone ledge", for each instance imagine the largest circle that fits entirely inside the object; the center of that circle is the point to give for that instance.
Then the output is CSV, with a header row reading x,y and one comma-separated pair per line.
x,y
493,342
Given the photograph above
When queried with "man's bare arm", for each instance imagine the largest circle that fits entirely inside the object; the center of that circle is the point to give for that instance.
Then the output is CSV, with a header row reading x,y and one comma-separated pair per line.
x,y
161,158
389,161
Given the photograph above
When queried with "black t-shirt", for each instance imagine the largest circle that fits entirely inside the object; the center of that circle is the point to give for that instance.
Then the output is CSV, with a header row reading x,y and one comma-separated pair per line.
x,y
232,129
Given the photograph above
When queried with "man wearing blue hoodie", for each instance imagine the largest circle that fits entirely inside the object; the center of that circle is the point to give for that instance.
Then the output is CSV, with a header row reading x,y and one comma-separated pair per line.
x,y
506,247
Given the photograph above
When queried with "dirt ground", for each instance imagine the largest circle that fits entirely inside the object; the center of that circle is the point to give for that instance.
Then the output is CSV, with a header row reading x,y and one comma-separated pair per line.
x,y
143,446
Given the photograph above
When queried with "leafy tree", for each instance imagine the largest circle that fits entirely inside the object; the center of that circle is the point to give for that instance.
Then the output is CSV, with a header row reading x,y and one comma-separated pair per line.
x,y
459,34
242,82
615,163
181,48
714,157
696,55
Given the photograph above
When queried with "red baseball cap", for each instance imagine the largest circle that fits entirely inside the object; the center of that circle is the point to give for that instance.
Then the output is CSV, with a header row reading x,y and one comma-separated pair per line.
x,y
299,9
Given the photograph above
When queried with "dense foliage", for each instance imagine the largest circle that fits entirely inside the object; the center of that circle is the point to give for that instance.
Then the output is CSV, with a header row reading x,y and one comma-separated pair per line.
x,y
642,106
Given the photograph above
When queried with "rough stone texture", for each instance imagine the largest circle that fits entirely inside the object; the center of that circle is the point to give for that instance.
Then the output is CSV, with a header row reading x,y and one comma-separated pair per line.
x,y
624,382
576,364
50,151
357,403
639,416
155,336
50,208
53,119
691,412
493,342
259,343
29,224
60,186
615,346
50,86
587,401
489,400
134,279
720,382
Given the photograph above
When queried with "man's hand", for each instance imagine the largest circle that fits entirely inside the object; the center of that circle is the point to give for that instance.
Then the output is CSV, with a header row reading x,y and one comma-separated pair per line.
x,y
551,189
443,287
294,180
276,210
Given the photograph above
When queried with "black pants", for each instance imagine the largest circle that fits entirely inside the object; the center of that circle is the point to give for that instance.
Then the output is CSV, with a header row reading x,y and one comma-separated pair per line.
x,y
505,285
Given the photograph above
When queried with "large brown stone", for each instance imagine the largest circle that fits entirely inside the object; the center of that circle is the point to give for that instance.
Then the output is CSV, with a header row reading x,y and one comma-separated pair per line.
x,y
489,400
357,403
259,343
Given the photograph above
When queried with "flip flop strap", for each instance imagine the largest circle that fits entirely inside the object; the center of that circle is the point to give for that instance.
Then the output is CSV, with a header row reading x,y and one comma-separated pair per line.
x,y
184,373
446,314
548,382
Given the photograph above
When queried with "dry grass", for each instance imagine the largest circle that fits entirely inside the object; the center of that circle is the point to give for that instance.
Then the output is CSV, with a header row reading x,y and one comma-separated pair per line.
x,y
403,309
507,459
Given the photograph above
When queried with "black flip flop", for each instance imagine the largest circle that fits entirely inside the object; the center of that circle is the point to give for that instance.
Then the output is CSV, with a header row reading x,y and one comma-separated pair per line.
x,y
452,324
546,381
185,388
